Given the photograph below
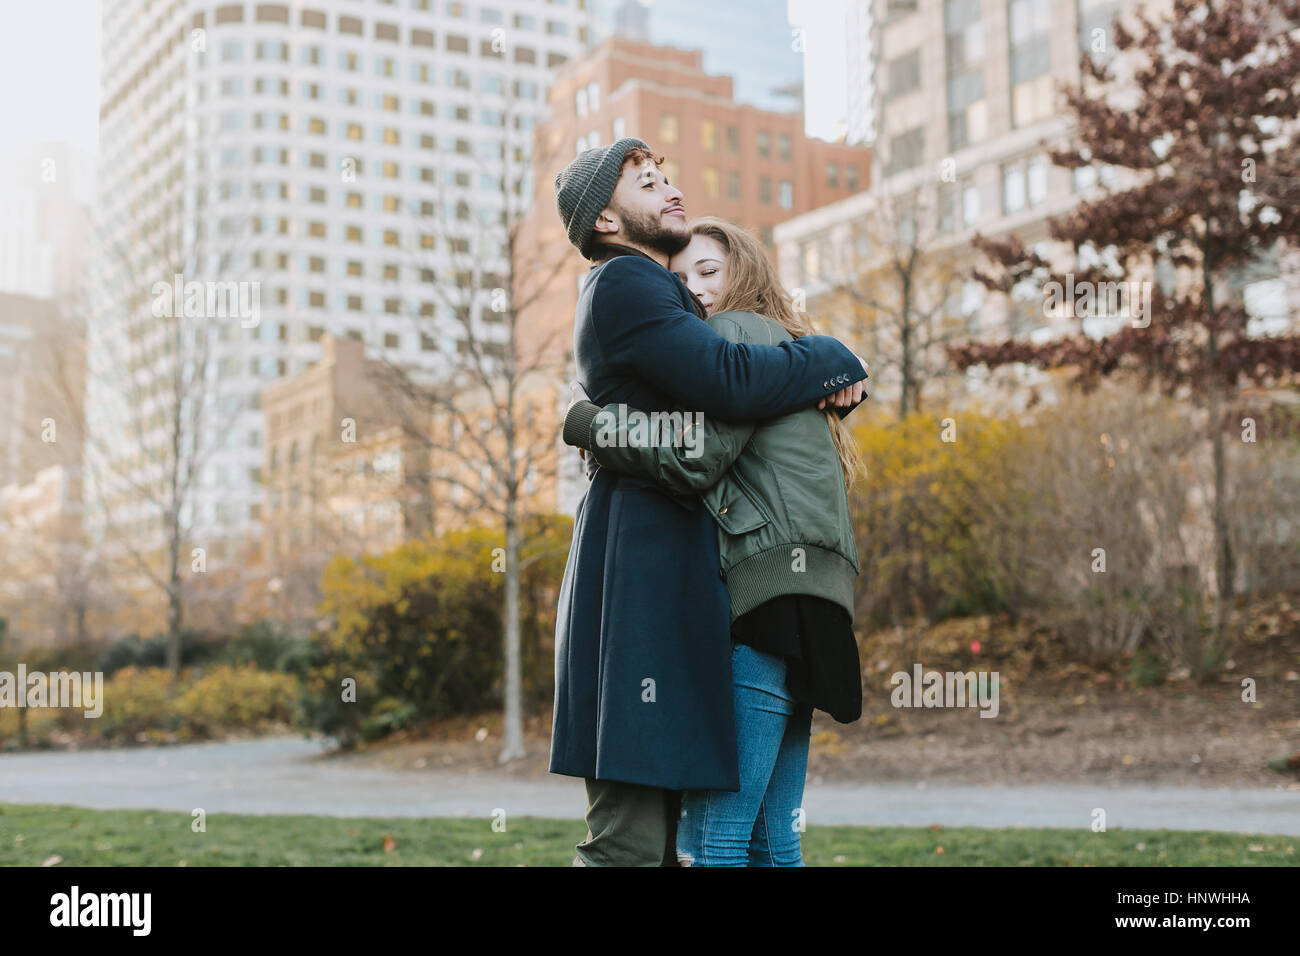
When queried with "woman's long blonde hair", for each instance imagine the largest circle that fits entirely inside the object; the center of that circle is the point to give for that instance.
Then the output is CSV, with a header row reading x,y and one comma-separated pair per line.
x,y
752,286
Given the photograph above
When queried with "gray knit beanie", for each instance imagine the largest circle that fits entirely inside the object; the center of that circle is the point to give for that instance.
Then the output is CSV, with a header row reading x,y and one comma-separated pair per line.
x,y
584,187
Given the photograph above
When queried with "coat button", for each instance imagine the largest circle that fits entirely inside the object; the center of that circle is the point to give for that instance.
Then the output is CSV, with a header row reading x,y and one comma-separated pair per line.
x,y
826,385
722,574
722,510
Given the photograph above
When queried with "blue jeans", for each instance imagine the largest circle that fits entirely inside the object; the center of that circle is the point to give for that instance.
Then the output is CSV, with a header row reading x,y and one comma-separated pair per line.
x,y
759,825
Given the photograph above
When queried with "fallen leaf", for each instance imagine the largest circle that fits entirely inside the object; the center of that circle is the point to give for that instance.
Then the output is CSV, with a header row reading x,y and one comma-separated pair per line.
x,y
53,860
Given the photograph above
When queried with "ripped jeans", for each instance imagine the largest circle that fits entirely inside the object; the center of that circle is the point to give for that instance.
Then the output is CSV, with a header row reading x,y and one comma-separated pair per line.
x,y
759,825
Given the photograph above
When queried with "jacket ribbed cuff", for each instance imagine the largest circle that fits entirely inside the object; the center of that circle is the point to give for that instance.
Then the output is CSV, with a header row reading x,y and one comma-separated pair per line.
x,y
577,424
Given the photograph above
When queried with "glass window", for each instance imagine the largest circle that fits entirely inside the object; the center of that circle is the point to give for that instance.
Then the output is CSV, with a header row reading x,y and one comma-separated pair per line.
x,y
708,134
1013,188
970,205
904,75
787,194
1036,180
668,127
709,176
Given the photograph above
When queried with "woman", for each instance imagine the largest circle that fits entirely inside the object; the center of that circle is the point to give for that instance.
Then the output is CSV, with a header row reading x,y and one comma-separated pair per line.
x,y
779,493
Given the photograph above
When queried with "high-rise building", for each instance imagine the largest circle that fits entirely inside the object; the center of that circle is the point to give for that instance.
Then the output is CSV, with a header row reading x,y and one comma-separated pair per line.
x,y
271,172
859,73
751,41
964,99
46,193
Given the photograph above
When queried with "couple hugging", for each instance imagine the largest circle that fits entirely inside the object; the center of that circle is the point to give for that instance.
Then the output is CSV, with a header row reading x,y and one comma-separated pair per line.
x,y
707,601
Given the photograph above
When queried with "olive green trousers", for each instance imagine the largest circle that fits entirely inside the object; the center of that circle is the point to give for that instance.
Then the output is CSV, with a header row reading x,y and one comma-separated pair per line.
x,y
629,825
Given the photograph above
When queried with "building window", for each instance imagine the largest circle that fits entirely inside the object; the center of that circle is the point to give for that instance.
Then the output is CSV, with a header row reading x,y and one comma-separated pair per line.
x,y
708,134
593,95
964,52
1029,24
765,190
733,186
764,143
970,205
733,138
833,175
905,151
851,178
619,127
783,148
580,101
787,194
903,75
1013,188
1036,180
668,128
709,176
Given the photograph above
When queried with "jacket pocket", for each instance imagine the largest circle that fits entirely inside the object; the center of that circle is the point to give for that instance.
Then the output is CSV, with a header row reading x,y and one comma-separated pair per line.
x,y
735,506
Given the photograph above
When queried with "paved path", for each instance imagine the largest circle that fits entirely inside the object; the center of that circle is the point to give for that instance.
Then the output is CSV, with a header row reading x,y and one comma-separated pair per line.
x,y
282,775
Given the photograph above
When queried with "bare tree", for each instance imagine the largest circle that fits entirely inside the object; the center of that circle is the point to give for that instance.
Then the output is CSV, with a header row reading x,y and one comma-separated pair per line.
x,y
491,431
154,353
898,276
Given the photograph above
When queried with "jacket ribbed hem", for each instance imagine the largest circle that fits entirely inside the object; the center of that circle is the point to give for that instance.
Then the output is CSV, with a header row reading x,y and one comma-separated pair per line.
x,y
770,573
577,424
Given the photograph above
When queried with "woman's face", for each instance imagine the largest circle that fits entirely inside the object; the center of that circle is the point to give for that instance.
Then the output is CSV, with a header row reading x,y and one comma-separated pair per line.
x,y
702,265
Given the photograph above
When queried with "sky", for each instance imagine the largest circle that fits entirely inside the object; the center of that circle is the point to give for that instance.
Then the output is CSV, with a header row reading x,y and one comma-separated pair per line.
x,y
49,69
825,82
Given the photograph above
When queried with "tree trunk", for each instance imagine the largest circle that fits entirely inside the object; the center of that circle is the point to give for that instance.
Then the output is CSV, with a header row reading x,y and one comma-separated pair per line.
x,y
1224,565
512,747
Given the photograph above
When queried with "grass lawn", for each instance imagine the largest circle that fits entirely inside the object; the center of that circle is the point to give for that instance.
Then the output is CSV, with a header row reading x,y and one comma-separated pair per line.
x,y
31,834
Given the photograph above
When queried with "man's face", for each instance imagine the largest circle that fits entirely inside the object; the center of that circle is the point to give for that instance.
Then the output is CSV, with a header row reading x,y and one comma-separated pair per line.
x,y
645,211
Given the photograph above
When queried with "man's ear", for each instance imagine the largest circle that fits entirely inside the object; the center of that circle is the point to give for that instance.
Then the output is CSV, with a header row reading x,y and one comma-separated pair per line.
x,y
607,221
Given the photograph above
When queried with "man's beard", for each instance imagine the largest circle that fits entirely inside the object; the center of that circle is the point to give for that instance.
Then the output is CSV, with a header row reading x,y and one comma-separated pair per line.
x,y
648,231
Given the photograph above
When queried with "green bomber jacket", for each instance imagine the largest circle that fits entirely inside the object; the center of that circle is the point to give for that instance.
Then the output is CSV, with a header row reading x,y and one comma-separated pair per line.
x,y
774,487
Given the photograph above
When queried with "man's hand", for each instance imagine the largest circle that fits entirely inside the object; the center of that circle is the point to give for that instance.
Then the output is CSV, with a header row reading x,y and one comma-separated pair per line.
x,y
849,395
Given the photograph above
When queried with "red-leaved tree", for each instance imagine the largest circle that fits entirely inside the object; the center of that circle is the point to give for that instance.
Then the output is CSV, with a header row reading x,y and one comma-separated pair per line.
x,y
1201,109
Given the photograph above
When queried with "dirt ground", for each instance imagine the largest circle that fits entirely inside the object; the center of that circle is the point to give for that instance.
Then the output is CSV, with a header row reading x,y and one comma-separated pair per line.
x,y
1056,722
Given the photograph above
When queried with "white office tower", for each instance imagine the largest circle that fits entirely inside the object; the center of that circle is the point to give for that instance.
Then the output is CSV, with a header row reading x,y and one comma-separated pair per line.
x,y
270,172
859,63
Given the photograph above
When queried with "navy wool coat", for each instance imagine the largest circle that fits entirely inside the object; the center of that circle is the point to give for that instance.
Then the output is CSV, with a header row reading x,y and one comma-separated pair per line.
x,y
643,649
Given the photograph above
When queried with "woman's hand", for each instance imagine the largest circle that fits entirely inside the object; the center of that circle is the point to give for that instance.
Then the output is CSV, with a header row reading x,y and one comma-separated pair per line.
x,y
849,395
577,394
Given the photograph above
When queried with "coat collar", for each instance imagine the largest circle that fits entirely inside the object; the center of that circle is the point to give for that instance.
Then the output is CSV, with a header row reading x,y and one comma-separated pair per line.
x,y
602,252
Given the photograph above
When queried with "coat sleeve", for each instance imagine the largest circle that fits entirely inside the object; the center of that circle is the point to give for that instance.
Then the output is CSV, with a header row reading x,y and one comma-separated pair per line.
x,y
687,466
641,326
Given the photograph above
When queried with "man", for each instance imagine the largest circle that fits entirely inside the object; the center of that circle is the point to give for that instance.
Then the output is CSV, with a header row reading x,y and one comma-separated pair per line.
x,y
643,705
